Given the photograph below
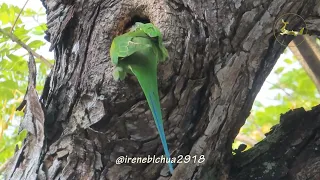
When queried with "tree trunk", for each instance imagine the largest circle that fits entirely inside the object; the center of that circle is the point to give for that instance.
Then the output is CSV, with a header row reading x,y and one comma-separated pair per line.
x,y
220,54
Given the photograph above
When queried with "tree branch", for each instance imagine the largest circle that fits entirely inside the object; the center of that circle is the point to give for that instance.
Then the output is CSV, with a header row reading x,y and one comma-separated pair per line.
x,y
308,54
19,15
26,47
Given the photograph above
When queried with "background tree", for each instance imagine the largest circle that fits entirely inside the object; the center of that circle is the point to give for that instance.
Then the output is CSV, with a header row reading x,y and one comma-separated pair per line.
x,y
216,68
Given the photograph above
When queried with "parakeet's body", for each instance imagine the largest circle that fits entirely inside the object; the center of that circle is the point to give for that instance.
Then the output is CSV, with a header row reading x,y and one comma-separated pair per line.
x,y
139,52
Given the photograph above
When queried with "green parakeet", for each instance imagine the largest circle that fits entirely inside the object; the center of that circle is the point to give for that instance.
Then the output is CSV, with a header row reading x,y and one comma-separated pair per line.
x,y
138,52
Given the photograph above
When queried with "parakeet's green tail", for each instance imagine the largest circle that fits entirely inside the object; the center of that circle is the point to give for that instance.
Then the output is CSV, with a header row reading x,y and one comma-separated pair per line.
x,y
147,78
158,120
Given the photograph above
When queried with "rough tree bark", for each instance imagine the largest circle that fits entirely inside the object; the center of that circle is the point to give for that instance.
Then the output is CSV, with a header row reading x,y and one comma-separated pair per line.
x,y
220,54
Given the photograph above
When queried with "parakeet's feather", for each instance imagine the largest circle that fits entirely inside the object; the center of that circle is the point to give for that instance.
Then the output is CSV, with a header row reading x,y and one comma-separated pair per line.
x,y
147,78
139,52
159,125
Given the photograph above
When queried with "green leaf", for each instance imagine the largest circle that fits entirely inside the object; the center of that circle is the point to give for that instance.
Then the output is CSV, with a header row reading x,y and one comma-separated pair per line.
x,y
39,30
279,70
29,12
13,57
36,44
288,61
9,84
20,31
258,104
3,38
4,18
3,13
25,39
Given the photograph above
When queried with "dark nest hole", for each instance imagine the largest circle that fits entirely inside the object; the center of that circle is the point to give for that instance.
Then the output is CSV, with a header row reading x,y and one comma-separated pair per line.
x,y
134,19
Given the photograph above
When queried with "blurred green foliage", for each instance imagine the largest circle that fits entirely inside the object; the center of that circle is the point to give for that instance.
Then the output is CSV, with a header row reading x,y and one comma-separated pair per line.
x,y
293,89
14,71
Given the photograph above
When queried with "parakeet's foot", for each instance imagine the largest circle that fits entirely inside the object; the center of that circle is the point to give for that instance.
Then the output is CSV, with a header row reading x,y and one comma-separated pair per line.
x,y
118,73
